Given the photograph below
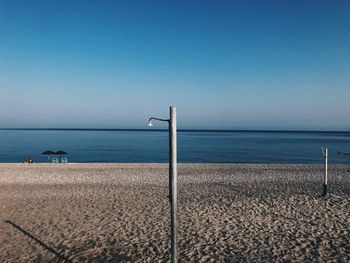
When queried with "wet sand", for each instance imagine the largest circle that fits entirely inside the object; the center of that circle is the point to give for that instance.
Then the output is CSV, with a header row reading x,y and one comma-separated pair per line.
x,y
120,213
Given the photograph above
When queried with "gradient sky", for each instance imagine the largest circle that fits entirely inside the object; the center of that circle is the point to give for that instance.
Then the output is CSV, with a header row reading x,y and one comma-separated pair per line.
x,y
224,64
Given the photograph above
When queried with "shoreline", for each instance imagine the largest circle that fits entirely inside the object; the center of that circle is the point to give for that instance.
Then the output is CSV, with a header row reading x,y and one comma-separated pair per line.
x,y
166,163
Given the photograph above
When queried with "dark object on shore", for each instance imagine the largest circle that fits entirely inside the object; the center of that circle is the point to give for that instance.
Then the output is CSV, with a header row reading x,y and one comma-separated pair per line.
x,y
325,191
30,160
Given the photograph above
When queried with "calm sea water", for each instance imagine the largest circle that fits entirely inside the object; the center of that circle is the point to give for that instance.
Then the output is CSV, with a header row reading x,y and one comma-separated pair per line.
x,y
131,146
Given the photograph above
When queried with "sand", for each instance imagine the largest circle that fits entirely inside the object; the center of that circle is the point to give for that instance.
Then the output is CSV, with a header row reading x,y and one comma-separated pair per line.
x,y
120,213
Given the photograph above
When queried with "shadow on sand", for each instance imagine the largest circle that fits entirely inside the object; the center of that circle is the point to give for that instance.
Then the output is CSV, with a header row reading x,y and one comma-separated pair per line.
x,y
60,257
50,249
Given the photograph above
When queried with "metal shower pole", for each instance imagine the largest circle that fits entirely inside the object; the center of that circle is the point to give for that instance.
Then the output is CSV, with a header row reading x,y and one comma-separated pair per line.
x,y
173,182
172,179
325,179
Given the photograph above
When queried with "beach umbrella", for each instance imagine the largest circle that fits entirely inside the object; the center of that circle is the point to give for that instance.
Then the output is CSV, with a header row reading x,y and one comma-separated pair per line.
x,y
61,153
48,152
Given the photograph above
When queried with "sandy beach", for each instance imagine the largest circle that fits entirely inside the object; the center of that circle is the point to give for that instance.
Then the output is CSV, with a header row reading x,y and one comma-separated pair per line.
x,y
120,213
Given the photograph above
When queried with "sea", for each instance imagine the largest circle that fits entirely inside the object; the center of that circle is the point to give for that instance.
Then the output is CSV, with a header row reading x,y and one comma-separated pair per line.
x,y
194,146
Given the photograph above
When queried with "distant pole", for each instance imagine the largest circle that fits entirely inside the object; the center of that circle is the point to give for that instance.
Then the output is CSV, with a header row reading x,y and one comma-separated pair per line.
x,y
325,180
173,182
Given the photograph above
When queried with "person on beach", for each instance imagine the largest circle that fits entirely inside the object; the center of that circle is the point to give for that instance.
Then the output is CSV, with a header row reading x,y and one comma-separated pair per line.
x,y
30,160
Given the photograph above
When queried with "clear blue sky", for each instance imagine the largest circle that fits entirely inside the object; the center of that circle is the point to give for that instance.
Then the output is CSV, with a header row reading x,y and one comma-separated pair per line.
x,y
224,64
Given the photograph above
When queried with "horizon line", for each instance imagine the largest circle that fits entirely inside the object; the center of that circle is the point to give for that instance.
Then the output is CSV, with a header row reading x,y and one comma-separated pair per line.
x,y
180,130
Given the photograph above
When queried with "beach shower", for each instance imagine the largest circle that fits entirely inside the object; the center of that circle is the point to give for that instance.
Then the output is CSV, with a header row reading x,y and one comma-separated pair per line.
x,y
172,177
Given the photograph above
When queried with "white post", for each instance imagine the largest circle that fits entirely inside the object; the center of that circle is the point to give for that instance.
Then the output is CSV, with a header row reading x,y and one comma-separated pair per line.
x,y
173,181
325,180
